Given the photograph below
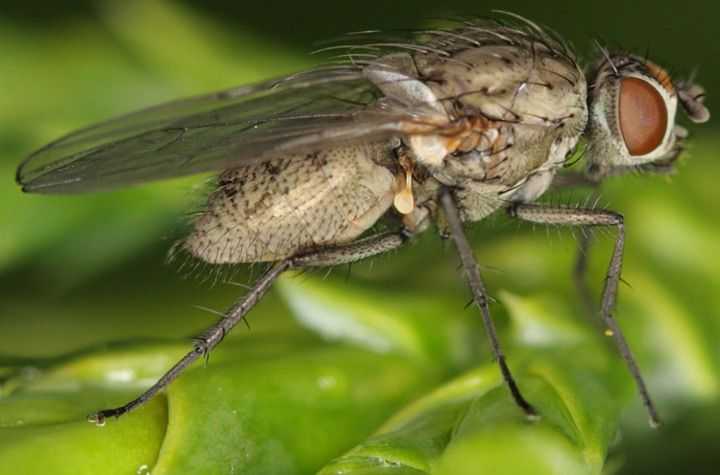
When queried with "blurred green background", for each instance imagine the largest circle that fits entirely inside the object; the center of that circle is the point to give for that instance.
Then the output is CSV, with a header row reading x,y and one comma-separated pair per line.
x,y
384,371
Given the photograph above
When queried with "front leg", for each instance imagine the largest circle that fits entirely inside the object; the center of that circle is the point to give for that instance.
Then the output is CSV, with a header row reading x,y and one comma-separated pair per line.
x,y
570,216
593,180
572,180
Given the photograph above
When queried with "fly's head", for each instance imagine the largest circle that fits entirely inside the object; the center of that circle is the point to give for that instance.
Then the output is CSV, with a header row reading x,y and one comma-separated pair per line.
x,y
633,104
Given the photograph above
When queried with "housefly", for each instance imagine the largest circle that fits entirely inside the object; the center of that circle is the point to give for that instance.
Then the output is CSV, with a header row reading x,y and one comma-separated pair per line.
x,y
445,126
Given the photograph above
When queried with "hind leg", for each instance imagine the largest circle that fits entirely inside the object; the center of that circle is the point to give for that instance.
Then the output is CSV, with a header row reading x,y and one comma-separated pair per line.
x,y
205,342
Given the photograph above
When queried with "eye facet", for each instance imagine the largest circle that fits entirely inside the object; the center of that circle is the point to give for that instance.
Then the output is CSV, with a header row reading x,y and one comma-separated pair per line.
x,y
643,116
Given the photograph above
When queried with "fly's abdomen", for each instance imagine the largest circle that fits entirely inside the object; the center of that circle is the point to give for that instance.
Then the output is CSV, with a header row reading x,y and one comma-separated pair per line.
x,y
277,209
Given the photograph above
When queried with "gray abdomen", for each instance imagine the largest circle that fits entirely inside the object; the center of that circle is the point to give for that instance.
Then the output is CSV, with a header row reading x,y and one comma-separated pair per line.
x,y
277,209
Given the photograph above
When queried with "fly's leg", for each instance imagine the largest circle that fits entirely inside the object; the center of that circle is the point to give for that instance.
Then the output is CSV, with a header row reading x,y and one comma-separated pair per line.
x,y
204,343
474,281
355,251
569,216
330,256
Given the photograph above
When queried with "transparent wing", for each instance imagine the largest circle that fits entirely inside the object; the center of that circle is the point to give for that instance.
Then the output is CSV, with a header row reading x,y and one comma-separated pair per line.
x,y
216,131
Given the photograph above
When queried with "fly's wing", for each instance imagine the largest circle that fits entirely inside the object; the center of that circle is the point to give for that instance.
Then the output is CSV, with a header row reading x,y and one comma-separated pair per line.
x,y
315,109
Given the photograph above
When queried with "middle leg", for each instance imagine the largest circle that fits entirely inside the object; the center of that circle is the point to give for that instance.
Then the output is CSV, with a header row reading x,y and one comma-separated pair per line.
x,y
472,276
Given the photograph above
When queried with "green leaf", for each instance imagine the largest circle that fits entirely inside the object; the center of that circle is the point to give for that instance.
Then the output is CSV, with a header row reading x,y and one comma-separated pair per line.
x,y
471,421
235,412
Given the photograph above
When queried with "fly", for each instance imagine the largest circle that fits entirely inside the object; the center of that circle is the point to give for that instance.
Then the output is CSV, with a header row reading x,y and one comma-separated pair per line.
x,y
445,128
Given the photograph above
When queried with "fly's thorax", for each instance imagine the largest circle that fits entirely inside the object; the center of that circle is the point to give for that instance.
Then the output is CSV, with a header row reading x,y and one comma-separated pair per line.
x,y
538,181
521,172
528,104
525,84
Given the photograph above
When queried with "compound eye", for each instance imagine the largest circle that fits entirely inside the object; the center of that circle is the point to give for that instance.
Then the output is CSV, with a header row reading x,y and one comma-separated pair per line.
x,y
643,116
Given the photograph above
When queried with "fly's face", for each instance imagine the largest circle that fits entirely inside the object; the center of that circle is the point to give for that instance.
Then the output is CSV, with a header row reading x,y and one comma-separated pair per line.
x,y
633,104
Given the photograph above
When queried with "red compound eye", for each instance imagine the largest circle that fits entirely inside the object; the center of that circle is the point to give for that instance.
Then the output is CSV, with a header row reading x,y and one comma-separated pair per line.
x,y
643,116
